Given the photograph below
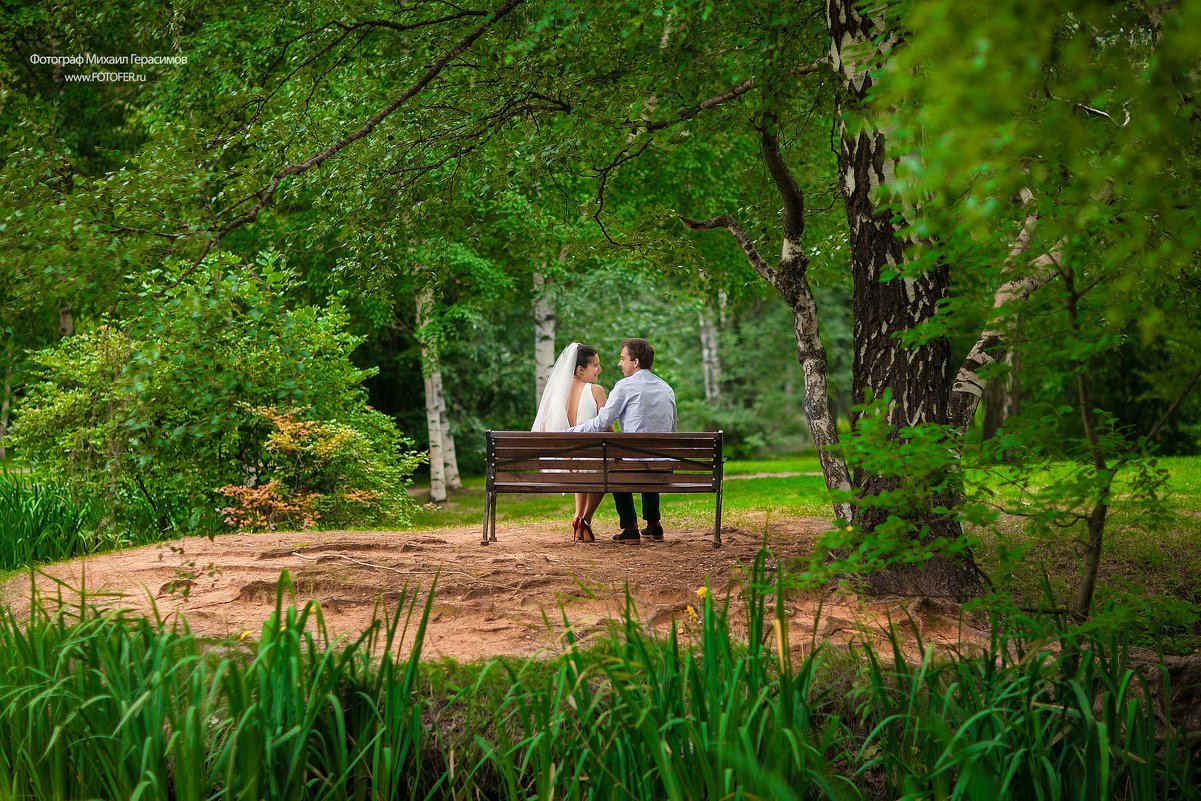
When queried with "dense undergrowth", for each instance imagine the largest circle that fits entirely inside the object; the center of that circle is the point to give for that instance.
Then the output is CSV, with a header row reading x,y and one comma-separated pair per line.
x,y
96,704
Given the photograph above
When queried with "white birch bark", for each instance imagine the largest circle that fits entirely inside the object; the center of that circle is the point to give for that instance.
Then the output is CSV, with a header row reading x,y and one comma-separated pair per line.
x,y
992,343
433,400
449,457
710,356
545,323
544,334
4,405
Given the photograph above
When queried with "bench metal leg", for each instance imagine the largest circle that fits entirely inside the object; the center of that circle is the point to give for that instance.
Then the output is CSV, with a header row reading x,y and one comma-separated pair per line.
x,y
493,535
717,521
489,500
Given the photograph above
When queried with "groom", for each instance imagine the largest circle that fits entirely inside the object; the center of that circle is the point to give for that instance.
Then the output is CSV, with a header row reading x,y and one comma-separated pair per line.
x,y
640,403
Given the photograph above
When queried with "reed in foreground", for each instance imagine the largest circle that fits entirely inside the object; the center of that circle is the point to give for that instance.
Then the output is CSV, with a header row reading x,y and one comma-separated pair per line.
x,y
99,705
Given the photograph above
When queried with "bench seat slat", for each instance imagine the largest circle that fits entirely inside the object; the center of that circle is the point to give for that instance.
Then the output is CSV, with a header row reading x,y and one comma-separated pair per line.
x,y
641,478
613,452
598,465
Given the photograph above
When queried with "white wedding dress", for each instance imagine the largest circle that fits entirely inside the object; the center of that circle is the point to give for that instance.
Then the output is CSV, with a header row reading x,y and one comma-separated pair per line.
x,y
586,409
552,409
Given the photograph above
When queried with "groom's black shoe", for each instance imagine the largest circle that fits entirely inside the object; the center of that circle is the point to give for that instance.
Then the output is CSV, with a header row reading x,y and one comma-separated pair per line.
x,y
653,532
628,536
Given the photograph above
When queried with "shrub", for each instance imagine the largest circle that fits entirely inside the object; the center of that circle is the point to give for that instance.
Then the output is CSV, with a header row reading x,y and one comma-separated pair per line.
x,y
154,413
321,471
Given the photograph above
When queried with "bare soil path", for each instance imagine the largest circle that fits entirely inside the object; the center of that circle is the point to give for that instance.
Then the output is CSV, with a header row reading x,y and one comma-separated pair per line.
x,y
494,600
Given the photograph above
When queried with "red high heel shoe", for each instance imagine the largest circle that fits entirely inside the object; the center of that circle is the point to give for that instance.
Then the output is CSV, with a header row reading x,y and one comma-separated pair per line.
x,y
585,532
575,529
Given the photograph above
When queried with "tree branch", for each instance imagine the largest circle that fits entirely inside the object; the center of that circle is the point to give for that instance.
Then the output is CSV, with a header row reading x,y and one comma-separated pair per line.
x,y
1175,404
734,92
266,194
794,199
748,247
650,126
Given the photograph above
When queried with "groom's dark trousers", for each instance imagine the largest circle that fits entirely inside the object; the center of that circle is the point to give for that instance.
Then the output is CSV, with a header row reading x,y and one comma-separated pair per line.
x,y
624,501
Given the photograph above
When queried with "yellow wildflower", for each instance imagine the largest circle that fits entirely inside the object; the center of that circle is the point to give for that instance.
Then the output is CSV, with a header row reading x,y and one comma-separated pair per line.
x,y
703,592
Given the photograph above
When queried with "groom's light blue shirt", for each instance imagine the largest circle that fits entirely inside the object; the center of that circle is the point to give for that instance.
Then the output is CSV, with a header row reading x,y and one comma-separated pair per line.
x,y
641,404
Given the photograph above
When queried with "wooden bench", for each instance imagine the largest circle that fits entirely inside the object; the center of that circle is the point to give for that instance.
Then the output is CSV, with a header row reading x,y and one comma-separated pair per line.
x,y
538,462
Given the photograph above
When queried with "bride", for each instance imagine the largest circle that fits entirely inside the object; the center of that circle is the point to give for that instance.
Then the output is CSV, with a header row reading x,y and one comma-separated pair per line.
x,y
570,398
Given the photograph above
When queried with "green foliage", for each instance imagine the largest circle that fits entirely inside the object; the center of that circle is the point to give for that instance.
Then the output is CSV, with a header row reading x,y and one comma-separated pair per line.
x,y
102,705
154,414
912,517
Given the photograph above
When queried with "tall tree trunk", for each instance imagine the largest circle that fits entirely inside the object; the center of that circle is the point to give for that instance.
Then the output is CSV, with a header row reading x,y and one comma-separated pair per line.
x,y
433,399
449,457
5,401
1001,398
66,322
545,322
917,376
710,356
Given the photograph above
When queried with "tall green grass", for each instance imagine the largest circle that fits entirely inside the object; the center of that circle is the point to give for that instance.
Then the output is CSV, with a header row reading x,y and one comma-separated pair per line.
x,y
100,705
42,522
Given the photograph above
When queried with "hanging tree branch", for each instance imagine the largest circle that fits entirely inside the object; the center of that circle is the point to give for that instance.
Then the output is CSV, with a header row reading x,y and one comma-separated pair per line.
x,y
748,246
264,196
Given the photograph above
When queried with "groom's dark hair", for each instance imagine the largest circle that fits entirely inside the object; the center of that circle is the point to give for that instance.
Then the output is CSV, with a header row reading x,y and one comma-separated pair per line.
x,y
641,350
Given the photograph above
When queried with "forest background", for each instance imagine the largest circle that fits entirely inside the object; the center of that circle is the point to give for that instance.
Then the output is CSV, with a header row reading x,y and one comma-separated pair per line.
x,y
206,262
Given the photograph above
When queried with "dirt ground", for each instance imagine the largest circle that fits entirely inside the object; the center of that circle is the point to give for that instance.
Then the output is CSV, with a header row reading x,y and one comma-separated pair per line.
x,y
494,600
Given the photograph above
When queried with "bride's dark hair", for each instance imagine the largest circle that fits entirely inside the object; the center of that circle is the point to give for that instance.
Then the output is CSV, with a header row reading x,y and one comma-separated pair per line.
x,y
584,356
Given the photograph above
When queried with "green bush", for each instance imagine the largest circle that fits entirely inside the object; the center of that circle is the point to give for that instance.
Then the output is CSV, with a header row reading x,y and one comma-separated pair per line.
x,y
155,413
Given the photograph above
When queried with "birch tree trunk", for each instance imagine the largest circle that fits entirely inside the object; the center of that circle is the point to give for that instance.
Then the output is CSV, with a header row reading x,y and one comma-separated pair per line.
x,y
1001,398
544,334
5,403
710,356
66,322
449,458
545,322
434,403
917,376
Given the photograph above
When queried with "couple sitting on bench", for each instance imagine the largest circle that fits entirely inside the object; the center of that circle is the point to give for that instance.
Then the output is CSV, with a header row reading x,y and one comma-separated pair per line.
x,y
641,403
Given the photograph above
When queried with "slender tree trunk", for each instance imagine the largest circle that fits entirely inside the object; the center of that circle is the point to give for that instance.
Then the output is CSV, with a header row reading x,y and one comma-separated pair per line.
x,y
5,401
790,278
918,377
710,356
66,322
1000,398
545,322
433,400
811,354
1082,606
449,456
